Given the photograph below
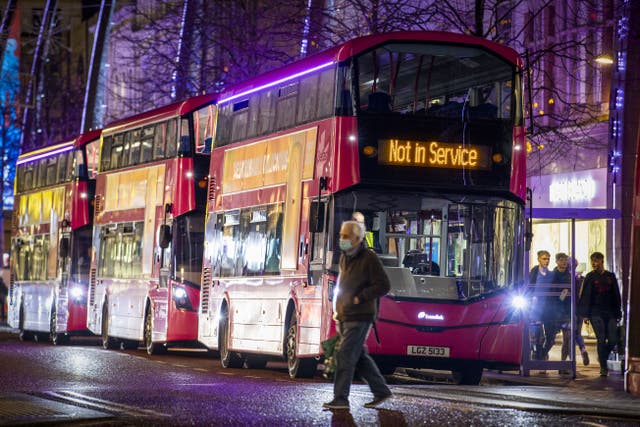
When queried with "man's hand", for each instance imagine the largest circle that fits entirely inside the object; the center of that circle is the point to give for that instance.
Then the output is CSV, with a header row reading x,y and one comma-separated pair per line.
x,y
356,300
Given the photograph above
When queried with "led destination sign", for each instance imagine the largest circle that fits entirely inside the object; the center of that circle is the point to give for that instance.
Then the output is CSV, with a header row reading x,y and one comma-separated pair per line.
x,y
433,154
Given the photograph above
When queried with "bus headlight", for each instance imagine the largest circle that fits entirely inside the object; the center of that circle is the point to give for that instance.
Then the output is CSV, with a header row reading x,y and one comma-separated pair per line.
x,y
180,297
76,293
519,302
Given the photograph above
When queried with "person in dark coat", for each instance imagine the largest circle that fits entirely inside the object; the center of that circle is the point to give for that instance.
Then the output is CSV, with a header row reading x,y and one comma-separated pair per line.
x,y
542,314
600,302
361,282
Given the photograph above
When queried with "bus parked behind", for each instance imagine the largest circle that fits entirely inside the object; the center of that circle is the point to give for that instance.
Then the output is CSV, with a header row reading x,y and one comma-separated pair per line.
x,y
51,239
149,226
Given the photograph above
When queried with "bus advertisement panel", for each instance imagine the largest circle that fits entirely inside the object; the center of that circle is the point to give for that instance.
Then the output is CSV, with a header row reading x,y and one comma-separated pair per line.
x,y
420,136
51,239
149,226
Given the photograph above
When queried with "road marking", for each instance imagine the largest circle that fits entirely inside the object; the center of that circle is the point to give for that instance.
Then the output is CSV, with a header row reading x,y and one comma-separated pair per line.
x,y
105,405
179,365
201,369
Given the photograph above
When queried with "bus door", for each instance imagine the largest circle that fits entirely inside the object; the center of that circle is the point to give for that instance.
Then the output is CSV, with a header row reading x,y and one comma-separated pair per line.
x,y
64,264
318,258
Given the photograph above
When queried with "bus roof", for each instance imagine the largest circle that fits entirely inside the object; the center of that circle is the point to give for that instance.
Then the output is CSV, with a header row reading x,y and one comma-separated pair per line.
x,y
172,110
60,147
356,46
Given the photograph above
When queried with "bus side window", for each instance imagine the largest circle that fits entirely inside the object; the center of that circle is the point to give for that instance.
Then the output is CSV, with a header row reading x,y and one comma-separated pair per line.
x,y
172,138
159,141
274,239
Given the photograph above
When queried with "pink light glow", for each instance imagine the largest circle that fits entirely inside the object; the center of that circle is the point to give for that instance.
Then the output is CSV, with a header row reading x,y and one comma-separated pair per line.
x,y
282,80
45,154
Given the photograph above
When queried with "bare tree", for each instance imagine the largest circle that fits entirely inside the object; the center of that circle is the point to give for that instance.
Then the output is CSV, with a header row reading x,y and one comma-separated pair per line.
x,y
178,49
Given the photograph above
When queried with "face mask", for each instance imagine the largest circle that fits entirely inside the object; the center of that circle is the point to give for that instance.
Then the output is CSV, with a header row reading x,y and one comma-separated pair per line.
x,y
345,244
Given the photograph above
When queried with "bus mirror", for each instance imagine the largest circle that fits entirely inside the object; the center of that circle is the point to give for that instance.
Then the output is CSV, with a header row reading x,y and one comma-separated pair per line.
x,y
64,247
164,236
316,217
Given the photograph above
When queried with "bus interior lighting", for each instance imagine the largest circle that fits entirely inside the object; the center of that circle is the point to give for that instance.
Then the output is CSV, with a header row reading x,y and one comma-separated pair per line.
x,y
276,82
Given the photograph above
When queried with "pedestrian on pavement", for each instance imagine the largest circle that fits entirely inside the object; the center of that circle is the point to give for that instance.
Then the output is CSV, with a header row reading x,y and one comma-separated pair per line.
x,y
3,297
578,338
600,302
542,278
561,306
361,282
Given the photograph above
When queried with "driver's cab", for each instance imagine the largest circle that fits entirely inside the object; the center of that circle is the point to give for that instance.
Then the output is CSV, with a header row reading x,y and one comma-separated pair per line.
x,y
441,248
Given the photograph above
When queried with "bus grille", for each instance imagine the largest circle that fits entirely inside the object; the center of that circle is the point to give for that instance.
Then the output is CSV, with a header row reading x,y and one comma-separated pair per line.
x,y
15,221
97,206
211,190
206,287
12,285
92,287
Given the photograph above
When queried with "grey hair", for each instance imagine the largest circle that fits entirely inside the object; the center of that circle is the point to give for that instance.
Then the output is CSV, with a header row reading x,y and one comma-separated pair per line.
x,y
357,228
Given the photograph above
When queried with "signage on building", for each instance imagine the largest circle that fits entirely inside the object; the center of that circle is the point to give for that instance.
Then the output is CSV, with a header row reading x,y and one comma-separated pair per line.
x,y
579,189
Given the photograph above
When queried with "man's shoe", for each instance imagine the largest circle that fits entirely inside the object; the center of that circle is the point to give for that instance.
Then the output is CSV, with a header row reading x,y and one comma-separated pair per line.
x,y
585,358
604,372
336,404
376,401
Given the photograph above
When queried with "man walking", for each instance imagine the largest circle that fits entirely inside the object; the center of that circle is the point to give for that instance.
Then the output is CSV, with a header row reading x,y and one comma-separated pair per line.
x,y
600,302
362,280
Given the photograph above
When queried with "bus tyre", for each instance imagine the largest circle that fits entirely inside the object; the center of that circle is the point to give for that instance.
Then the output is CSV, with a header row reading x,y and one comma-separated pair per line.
x,y
24,334
55,337
108,343
469,375
253,361
151,347
228,359
298,368
386,368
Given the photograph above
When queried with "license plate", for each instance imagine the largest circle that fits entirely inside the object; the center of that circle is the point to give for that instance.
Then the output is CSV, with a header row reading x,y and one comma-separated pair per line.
x,y
425,350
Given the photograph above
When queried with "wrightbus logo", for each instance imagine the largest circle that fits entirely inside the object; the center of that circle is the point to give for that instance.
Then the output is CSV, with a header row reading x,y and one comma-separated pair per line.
x,y
427,316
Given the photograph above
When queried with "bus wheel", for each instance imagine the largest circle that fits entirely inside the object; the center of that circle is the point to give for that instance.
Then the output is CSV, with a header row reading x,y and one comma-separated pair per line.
x,y
470,375
386,368
55,337
228,359
253,361
108,343
24,334
129,345
152,348
298,368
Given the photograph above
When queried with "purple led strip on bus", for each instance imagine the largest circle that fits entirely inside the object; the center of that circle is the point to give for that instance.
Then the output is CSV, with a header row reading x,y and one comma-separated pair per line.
x,y
45,155
282,80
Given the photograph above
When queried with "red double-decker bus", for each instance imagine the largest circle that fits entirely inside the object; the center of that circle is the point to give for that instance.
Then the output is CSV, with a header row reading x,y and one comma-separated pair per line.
x,y
418,134
149,226
51,239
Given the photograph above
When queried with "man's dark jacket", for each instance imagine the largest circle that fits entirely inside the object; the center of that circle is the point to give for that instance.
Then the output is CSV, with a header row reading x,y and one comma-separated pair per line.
x,y
600,296
361,275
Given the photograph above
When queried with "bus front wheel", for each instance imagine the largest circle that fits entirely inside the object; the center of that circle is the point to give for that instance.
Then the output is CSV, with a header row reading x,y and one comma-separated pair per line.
x,y
469,375
298,367
152,348
24,334
108,343
228,359
56,337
